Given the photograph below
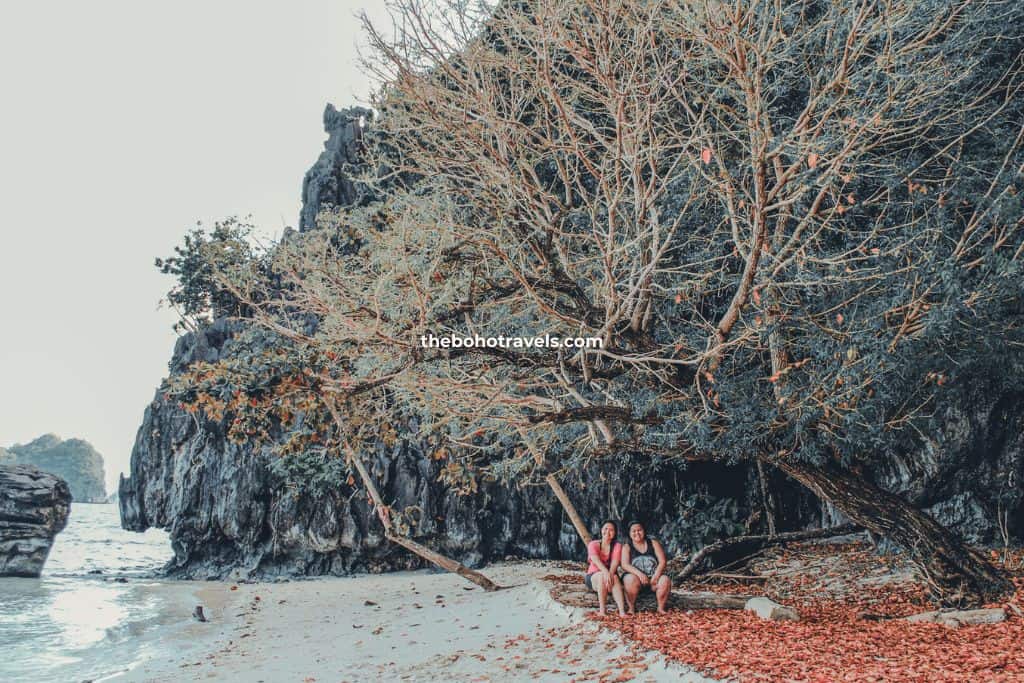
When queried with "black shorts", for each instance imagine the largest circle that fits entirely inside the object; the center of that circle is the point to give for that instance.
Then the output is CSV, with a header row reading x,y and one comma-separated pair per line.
x,y
589,580
649,586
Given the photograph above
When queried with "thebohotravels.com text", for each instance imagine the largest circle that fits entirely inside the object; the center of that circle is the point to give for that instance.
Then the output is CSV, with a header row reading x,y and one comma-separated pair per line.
x,y
430,341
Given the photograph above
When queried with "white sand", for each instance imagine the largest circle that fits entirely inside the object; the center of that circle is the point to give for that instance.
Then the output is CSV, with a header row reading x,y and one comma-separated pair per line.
x,y
423,627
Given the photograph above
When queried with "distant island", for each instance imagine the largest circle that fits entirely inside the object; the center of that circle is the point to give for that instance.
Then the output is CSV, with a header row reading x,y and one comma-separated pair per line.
x,y
74,460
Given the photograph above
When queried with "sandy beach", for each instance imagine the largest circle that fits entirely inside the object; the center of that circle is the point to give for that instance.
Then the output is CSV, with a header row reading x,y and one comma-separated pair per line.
x,y
409,626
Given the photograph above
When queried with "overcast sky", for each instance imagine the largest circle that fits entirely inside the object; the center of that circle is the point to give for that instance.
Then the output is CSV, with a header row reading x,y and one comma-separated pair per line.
x,y
124,123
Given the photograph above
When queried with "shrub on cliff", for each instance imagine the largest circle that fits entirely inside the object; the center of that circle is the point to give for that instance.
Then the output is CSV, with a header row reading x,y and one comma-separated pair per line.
x,y
197,297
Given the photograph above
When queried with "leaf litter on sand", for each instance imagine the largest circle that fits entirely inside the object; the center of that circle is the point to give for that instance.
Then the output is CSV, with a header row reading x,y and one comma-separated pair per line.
x,y
833,586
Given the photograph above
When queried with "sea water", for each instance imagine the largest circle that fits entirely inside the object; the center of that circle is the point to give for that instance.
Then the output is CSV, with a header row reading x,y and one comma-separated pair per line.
x,y
85,617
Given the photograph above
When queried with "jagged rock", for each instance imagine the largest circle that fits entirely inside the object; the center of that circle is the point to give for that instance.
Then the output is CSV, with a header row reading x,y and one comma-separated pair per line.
x,y
34,508
229,512
75,461
329,182
768,609
968,474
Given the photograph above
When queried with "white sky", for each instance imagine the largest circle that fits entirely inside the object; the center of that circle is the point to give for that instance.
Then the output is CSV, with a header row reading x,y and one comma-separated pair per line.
x,y
123,123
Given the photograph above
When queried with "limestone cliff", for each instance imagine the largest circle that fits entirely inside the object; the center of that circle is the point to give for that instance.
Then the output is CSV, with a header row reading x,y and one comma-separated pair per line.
x,y
328,182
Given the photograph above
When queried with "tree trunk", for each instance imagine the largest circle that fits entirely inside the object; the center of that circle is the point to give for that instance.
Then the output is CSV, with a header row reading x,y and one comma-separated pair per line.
x,y
957,575
437,558
559,492
767,499
426,553
443,562
569,508
578,595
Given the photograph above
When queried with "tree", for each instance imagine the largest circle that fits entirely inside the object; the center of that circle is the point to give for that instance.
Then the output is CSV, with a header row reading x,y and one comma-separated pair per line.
x,y
793,226
197,297
751,175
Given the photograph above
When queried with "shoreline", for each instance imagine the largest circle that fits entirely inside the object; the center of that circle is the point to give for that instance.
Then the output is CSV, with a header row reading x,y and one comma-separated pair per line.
x,y
412,626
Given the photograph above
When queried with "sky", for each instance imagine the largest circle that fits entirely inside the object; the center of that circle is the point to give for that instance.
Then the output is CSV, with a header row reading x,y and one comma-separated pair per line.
x,y
123,124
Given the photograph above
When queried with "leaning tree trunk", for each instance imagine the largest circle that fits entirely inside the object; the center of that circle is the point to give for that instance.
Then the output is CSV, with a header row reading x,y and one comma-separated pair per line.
x,y
957,574
556,488
426,553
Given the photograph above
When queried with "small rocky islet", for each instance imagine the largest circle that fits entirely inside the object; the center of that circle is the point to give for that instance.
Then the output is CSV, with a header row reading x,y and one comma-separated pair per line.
x,y
73,460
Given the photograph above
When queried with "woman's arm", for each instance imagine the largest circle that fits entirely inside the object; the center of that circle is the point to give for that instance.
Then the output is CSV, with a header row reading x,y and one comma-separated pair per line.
x,y
616,558
594,555
627,564
659,552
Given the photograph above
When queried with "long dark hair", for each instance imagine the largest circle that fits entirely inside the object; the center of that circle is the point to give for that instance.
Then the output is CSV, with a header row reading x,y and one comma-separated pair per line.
x,y
614,526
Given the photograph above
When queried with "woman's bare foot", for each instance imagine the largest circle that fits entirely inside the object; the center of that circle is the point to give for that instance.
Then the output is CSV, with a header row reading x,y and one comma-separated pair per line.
x,y
662,610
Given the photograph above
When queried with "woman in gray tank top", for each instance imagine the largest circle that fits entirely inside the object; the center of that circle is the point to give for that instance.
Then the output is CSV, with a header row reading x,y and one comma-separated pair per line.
x,y
643,564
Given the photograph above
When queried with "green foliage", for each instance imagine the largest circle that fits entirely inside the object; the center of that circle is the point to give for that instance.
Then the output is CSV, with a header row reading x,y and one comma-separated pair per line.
x,y
199,296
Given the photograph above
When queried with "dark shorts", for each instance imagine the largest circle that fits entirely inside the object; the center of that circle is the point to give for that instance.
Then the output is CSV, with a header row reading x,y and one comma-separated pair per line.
x,y
589,580
643,586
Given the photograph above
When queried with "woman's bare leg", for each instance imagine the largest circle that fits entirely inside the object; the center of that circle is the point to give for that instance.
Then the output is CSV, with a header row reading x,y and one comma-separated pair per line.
x,y
662,591
601,586
631,586
617,594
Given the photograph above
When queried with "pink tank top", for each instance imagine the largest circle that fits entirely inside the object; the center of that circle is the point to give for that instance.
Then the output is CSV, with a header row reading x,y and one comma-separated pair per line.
x,y
594,550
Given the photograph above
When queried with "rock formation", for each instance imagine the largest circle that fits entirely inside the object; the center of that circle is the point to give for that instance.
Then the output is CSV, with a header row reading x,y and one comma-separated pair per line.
x,y
969,473
329,181
34,508
231,511
74,460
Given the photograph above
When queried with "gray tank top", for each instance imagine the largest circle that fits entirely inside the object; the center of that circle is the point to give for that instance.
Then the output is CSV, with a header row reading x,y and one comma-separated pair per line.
x,y
645,561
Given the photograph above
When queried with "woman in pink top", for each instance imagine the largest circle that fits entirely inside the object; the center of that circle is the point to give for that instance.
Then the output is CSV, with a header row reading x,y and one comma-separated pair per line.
x,y
605,555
